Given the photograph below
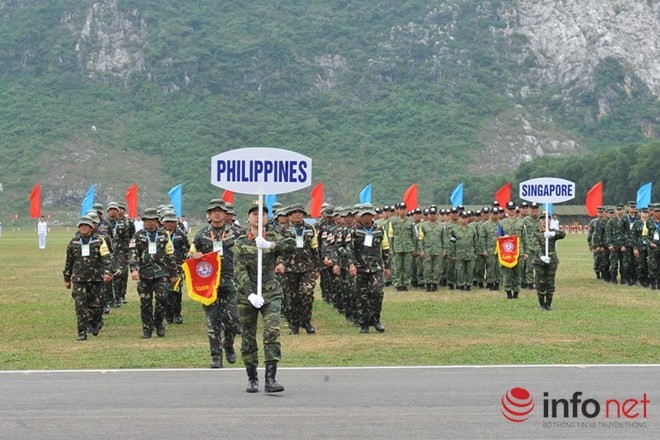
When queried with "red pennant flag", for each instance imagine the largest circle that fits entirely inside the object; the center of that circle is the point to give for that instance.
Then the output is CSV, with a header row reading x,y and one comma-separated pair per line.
x,y
228,196
203,277
132,200
316,201
503,195
35,201
410,197
594,199
508,250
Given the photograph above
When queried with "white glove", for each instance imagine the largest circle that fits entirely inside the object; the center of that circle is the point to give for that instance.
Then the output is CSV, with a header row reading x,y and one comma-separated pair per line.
x,y
262,243
549,234
256,300
545,259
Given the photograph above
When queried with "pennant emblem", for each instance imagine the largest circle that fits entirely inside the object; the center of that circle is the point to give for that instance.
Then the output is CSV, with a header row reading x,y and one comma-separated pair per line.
x,y
203,278
508,250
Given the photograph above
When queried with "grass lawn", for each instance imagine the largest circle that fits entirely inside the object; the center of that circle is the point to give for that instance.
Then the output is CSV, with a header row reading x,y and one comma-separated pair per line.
x,y
593,322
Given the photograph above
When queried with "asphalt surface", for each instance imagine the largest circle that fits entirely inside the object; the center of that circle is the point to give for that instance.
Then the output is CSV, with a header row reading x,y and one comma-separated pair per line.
x,y
327,403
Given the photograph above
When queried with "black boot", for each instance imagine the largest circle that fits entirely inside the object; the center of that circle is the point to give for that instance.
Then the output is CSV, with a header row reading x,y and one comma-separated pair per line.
x,y
429,287
230,354
271,384
541,301
496,286
509,295
654,286
435,287
515,295
309,328
216,361
548,302
253,380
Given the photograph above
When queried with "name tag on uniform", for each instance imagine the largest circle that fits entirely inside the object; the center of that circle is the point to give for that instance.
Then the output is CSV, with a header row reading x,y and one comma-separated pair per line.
x,y
153,248
631,226
656,236
368,240
217,247
84,250
300,242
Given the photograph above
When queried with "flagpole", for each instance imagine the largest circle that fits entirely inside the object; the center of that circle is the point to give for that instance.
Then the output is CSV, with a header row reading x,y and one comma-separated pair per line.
x,y
547,239
259,250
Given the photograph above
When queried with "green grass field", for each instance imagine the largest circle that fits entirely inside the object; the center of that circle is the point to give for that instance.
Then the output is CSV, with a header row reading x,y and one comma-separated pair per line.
x,y
593,322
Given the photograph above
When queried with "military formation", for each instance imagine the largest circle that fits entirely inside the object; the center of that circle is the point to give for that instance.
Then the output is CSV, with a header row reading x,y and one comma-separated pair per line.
x,y
626,245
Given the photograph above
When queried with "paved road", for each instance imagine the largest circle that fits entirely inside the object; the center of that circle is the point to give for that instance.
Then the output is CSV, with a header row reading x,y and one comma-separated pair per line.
x,y
323,403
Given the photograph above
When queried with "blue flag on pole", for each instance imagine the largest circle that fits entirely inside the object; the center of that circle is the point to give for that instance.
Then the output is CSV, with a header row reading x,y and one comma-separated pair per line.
x,y
88,201
644,196
548,207
365,194
457,196
269,200
175,198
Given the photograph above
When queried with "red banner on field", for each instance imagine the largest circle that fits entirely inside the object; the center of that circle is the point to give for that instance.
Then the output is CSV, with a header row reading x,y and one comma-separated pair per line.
x,y
508,250
203,278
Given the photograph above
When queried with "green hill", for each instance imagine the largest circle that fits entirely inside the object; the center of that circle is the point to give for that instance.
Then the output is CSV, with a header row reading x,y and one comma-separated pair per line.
x,y
389,92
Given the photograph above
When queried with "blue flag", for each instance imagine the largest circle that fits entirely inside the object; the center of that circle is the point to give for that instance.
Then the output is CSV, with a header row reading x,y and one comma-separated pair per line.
x,y
365,194
548,207
457,196
88,201
269,200
644,196
175,198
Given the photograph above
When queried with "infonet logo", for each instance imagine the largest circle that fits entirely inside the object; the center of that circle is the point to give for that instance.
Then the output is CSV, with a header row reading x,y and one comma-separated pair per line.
x,y
517,405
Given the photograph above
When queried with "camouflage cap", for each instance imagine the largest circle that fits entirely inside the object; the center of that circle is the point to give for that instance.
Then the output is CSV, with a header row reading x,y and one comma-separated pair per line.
x,y
112,205
230,209
255,206
337,211
121,205
610,210
328,210
93,215
150,214
169,216
85,220
276,205
98,207
366,208
632,203
216,203
297,207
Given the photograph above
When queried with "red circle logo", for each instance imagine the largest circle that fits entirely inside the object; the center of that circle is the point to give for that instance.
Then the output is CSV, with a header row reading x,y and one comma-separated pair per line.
x,y
517,405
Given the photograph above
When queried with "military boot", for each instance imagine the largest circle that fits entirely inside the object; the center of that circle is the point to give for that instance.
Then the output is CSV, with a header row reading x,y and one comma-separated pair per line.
x,y
253,380
160,329
509,295
429,287
515,295
496,287
82,336
654,285
541,301
216,361
548,302
309,328
230,354
271,384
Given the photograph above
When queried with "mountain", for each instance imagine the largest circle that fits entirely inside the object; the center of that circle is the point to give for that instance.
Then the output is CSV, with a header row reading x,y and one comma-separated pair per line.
x,y
388,92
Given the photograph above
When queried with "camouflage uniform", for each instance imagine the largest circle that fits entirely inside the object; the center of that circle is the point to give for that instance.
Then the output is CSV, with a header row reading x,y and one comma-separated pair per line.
x,y
181,249
640,230
599,246
152,255
245,253
615,232
630,240
488,240
104,231
122,232
450,265
85,272
223,313
431,238
654,250
301,268
368,250
463,250
403,242
513,226
545,272
531,225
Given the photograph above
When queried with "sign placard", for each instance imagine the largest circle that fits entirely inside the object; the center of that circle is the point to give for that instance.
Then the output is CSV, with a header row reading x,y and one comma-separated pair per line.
x,y
547,190
261,171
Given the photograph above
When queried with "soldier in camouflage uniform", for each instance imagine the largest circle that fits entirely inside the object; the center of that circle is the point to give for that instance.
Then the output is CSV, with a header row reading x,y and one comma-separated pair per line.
x,y
120,229
488,240
531,221
417,276
250,303
654,248
222,315
615,233
593,227
630,256
546,268
480,219
403,242
181,249
88,265
430,239
152,265
513,225
463,248
302,269
640,230
600,246
368,254
450,265
323,229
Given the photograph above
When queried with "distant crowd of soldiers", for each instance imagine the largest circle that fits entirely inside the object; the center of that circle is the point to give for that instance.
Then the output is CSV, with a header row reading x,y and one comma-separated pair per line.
x,y
626,245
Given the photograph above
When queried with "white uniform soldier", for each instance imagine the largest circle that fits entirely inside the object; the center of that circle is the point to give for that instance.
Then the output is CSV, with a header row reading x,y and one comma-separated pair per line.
x,y
42,232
